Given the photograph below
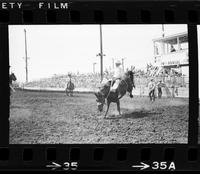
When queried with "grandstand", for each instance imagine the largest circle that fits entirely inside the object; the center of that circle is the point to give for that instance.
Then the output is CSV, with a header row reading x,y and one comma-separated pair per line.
x,y
173,64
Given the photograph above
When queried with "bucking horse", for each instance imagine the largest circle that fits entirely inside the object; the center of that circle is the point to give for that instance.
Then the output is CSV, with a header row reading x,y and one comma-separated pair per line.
x,y
126,84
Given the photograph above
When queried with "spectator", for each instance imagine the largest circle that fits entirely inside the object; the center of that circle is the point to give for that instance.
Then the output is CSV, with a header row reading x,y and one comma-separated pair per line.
x,y
159,87
151,87
172,48
176,90
173,90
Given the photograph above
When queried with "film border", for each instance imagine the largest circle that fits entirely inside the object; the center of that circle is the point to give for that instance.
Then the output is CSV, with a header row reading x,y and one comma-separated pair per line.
x,y
87,12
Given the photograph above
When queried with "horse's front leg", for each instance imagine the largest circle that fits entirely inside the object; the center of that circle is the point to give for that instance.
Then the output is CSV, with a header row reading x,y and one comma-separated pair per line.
x,y
108,105
13,90
118,107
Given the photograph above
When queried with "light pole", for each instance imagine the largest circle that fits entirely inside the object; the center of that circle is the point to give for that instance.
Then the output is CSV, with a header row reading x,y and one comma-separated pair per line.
x,y
123,63
26,58
101,53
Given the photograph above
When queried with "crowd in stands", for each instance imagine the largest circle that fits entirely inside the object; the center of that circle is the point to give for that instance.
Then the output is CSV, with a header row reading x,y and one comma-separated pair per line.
x,y
89,80
92,80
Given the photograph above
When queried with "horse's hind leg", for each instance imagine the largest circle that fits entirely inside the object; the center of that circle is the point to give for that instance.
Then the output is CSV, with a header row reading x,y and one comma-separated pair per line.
x,y
118,107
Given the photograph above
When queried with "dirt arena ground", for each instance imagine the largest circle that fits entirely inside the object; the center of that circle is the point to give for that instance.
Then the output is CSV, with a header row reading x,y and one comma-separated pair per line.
x,y
49,117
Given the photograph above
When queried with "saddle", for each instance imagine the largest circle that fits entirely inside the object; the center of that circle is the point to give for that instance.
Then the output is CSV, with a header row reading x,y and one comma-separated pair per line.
x,y
112,82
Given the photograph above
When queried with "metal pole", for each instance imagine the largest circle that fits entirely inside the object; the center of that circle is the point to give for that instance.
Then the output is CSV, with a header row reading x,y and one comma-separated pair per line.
x,y
163,31
123,63
101,53
94,67
26,58
113,64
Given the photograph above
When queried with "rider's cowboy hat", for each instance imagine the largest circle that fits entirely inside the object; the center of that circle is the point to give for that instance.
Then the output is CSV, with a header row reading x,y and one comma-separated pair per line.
x,y
118,63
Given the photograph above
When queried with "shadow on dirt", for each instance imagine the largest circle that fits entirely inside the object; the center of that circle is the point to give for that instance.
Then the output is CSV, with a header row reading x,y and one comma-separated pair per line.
x,y
134,115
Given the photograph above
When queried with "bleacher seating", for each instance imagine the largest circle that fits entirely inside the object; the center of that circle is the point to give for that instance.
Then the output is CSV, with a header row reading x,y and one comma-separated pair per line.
x,y
92,80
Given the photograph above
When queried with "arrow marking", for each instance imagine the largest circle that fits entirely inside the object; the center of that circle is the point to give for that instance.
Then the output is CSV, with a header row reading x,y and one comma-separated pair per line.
x,y
142,166
54,166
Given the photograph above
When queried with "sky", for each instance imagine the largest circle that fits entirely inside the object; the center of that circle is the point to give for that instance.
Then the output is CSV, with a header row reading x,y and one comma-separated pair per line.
x,y
59,49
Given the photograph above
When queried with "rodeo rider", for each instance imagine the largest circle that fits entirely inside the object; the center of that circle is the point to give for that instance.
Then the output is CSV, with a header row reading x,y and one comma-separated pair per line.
x,y
118,74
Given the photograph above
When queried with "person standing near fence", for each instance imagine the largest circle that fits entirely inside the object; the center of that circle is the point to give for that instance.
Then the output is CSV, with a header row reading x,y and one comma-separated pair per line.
x,y
151,87
173,90
173,86
159,87
176,90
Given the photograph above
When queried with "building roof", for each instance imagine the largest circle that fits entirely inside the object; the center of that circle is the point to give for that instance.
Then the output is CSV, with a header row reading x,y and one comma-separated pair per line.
x,y
170,37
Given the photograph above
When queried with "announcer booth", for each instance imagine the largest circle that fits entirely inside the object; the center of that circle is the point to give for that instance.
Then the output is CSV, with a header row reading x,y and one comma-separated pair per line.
x,y
171,54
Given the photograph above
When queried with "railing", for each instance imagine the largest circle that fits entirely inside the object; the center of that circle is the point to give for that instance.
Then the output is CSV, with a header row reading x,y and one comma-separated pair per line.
x,y
182,81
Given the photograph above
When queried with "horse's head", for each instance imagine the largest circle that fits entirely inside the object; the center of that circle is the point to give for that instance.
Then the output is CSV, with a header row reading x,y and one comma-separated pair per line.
x,y
130,81
100,100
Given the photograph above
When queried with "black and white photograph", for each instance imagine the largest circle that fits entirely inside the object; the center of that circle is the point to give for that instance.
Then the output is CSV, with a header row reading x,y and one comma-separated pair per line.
x,y
99,84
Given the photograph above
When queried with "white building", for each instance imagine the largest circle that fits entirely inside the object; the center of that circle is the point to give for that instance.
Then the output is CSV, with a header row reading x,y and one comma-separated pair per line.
x,y
171,52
